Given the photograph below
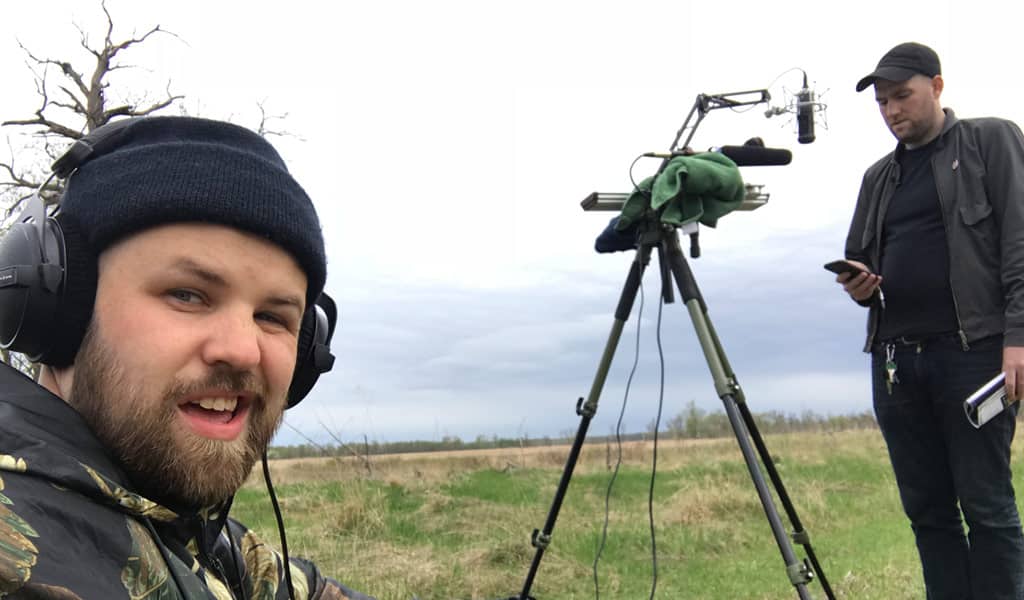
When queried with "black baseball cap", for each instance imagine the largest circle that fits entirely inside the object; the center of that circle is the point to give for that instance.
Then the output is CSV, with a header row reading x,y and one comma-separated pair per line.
x,y
903,62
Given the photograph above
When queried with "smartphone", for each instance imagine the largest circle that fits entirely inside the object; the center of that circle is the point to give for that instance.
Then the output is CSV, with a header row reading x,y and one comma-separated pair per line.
x,y
842,266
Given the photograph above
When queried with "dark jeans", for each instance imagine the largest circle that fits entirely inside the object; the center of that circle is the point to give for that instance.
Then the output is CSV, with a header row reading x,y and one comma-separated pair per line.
x,y
939,458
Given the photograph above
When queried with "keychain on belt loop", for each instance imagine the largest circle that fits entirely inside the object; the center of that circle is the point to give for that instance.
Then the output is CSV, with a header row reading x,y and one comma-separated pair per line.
x,y
890,367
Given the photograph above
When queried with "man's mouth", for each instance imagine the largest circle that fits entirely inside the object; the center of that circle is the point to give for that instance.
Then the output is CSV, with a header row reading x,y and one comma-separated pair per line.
x,y
216,417
221,405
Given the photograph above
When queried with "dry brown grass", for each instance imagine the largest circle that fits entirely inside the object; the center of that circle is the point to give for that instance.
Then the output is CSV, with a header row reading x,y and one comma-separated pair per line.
x,y
431,468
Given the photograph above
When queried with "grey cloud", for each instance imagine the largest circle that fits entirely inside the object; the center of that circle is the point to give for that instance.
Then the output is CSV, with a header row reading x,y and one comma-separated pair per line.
x,y
418,360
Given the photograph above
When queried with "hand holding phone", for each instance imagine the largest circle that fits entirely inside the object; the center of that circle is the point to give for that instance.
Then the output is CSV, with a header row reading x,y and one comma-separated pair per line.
x,y
861,291
844,266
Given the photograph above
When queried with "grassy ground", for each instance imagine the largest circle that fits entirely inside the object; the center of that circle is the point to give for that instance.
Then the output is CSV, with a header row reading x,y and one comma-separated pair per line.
x,y
458,525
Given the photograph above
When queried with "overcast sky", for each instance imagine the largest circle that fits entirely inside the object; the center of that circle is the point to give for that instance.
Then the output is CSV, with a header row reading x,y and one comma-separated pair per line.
x,y
448,144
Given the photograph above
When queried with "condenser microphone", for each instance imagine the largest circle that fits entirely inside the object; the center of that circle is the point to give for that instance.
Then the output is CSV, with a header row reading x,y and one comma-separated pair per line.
x,y
805,114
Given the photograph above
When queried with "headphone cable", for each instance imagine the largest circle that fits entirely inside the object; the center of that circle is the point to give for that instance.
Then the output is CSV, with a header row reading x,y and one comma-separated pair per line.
x,y
280,528
654,460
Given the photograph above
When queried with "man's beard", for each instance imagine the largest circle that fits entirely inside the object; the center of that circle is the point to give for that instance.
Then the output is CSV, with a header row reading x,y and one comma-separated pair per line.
x,y
165,461
918,130
914,135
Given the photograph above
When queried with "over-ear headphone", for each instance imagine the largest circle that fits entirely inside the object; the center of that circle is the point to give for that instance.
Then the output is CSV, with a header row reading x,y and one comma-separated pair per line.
x,y
48,282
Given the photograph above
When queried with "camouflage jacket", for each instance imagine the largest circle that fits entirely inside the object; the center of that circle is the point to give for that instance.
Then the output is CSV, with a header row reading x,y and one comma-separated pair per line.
x,y
70,527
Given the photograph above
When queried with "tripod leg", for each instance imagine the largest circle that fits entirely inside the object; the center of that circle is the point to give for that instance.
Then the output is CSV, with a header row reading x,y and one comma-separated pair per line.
x,y
587,410
727,390
800,535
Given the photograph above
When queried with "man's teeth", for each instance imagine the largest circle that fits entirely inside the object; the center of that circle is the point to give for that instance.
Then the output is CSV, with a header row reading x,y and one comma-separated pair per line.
x,y
218,404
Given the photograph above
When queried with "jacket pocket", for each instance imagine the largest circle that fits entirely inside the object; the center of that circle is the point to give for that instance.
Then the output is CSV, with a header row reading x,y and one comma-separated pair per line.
x,y
974,213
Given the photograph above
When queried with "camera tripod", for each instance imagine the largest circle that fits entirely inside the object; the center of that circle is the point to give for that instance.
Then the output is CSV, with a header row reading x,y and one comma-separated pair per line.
x,y
654,235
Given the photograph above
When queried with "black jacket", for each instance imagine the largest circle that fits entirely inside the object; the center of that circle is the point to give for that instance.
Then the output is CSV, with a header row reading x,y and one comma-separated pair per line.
x,y
978,166
70,527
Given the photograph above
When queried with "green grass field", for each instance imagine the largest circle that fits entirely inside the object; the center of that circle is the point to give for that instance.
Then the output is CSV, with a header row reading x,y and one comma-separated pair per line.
x,y
458,525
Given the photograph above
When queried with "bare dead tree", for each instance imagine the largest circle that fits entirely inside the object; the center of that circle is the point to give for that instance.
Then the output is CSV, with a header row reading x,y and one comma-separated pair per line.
x,y
72,102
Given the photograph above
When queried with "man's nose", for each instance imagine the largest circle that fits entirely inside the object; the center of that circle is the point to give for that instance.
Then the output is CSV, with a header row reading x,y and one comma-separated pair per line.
x,y
233,338
891,109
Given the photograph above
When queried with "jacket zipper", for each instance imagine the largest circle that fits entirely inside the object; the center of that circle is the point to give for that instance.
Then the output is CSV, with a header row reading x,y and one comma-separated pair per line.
x,y
883,205
212,562
949,256
165,553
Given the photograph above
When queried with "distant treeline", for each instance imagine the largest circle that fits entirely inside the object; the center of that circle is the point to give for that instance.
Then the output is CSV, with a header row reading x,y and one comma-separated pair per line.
x,y
692,423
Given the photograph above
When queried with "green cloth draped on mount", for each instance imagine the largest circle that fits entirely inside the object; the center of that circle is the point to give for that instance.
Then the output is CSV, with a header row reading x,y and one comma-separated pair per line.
x,y
702,187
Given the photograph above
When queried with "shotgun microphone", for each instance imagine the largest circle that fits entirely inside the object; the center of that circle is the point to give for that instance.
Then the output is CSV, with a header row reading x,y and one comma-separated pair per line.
x,y
756,156
743,156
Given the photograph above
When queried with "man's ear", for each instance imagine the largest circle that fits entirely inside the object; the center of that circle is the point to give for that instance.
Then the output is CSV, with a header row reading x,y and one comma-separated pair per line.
x,y
937,85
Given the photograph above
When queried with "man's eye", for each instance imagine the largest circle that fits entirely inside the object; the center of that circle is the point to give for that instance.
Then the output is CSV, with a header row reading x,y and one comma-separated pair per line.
x,y
186,296
273,318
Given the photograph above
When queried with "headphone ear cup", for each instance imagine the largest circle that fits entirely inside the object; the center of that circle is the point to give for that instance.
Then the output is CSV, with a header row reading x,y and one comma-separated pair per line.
x,y
313,357
32,280
46,318
28,299
78,297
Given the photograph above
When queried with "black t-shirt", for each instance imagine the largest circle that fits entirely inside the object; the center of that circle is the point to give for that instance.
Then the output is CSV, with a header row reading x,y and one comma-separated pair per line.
x,y
915,255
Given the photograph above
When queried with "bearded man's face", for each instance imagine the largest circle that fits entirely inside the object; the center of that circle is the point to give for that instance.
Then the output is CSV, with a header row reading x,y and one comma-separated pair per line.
x,y
184,372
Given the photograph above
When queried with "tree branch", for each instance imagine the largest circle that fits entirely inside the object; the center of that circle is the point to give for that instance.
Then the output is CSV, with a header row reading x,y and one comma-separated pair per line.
x,y
78,103
73,75
53,126
65,68
15,179
130,111
264,126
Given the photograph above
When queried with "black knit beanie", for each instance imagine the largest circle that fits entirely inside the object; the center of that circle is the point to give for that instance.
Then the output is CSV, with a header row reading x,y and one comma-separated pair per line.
x,y
185,169
156,170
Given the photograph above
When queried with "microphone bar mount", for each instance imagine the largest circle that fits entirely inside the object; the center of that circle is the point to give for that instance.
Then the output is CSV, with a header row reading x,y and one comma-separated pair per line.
x,y
705,103
804,105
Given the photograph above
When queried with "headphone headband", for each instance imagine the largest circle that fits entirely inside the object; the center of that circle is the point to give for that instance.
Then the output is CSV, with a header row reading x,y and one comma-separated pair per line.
x,y
99,141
